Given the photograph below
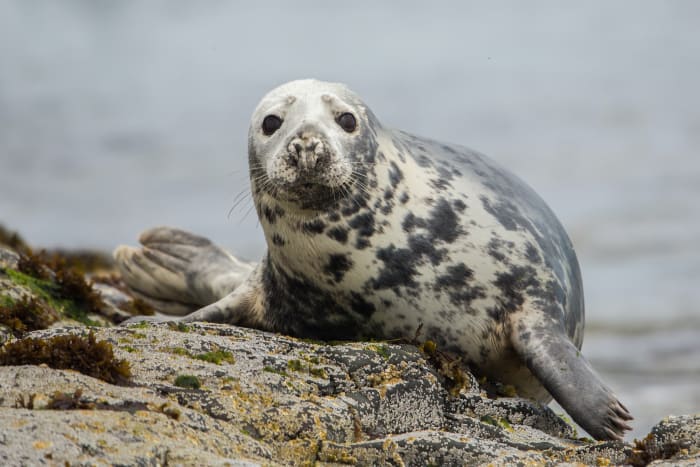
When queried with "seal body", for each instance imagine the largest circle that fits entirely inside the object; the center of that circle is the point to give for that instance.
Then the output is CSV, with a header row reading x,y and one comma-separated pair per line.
x,y
373,233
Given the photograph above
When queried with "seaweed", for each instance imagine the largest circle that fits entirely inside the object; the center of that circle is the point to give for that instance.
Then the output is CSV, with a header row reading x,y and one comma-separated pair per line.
x,y
33,264
27,315
22,403
61,287
63,401
139,307
650,449
73,286
450,368
83,261
11,239
72,352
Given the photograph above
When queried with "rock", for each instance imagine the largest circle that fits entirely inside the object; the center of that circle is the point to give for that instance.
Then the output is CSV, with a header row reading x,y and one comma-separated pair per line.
x,y
212,394
276,399
673,441
8,258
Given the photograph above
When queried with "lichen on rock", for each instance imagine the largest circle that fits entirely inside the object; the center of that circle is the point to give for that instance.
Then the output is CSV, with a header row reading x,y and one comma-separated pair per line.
x,y
215,394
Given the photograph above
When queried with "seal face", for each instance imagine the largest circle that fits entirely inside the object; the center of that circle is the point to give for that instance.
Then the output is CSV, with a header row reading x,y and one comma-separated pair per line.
x,y
308,148
373,232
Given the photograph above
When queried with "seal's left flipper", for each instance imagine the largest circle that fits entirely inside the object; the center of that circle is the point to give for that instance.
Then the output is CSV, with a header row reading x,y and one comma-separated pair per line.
x,y
551,356
244,306
178,271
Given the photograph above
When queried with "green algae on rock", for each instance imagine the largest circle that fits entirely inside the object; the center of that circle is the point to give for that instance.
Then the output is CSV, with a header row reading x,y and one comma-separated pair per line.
x,y
187,381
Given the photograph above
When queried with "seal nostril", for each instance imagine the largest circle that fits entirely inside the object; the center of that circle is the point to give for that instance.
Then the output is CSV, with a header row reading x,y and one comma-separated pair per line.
x,y
298,148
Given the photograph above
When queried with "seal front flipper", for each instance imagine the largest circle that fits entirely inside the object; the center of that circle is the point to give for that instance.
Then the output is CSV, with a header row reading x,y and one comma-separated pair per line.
x,y
566,374
245,306
178,271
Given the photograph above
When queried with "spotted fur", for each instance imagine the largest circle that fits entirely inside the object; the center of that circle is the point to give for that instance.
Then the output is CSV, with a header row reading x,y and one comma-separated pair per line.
x,y
374,233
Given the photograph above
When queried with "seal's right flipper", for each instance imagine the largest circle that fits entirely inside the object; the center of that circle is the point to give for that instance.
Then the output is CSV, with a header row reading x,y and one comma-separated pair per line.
x,y
179,267
566,374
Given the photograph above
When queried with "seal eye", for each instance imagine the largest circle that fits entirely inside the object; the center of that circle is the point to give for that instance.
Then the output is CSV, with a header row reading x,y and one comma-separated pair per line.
x,y
347,122
270,124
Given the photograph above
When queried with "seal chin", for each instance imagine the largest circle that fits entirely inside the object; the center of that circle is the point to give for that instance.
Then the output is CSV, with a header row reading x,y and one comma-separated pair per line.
x,y
310,195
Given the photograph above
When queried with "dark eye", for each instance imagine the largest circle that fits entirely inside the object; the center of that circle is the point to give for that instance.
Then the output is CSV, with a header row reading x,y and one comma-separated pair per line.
x,y
347,122
270,124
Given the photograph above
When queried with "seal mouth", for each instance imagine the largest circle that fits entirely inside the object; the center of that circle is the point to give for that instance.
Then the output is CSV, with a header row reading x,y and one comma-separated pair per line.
x,y
310,194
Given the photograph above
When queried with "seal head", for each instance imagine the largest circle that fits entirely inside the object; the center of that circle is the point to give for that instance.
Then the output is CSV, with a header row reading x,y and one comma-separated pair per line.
x,y
309,143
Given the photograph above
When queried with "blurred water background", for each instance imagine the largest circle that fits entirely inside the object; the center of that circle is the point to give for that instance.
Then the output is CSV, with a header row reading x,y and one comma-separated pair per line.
x,y
116,116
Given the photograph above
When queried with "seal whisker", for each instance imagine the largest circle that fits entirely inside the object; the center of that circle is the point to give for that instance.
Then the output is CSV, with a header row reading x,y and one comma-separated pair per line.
x,y
247,197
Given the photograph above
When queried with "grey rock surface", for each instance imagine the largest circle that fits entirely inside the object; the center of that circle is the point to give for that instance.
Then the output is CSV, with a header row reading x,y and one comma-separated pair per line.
x,y
212,394
276,400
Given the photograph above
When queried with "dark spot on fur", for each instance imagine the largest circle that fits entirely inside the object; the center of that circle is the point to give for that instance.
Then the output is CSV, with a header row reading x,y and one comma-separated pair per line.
x,y
514,284
399,268
388,194
484,353
315,226
269,214
422,245
505,212
440,183
423,161
532,254
456,275
334,216
337,266
339,234
410,222
444,172
404,198
395,174
495,250
443,223
360,305
456,282
361,243
277,240
459,205
363,223
299,307
354,204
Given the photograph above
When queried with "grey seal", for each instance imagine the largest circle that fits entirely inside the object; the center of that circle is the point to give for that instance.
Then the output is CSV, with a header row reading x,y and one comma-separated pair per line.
x,y
373,233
